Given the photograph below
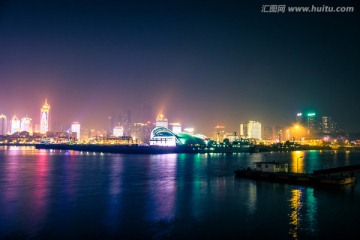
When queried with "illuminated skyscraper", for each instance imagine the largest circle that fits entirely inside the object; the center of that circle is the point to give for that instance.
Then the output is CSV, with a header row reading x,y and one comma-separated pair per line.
x,y
243,130
141,132
268,133
15,125
125,121
75,128
326,124
219,133
312,124
278,132
254,129
45,118
25,125
299,118
118,131
161,121
3,125
176,127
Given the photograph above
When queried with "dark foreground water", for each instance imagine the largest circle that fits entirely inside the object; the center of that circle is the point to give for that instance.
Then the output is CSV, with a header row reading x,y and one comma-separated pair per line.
x,y
71,195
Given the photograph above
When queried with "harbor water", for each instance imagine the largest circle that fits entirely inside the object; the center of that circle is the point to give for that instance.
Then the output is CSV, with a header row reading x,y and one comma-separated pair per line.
x,y
48,194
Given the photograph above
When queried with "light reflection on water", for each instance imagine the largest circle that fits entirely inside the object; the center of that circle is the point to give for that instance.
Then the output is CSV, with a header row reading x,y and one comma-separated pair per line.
x,y
72,195
303,213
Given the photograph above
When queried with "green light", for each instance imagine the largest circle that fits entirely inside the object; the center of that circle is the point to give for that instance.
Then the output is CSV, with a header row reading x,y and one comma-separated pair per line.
x,y
311,114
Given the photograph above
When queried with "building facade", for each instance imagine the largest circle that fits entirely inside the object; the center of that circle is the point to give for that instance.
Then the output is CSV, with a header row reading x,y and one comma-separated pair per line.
x,y
118,131
14,125
161,121
243,130
268,133
254,130
176,127
45,118
326,124
25,125
3,125
219,133
75,128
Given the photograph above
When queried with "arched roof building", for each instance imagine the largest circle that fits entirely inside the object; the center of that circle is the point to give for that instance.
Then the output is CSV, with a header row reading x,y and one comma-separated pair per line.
x,y
161,136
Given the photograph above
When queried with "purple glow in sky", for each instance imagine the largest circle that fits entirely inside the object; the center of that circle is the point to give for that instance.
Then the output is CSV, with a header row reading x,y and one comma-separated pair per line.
x,y
203,64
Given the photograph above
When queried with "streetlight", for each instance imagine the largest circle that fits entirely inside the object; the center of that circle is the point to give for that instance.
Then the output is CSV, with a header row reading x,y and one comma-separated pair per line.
x,y
297,164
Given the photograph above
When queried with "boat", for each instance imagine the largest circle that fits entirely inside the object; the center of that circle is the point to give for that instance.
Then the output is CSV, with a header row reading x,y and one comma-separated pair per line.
x,y
278,172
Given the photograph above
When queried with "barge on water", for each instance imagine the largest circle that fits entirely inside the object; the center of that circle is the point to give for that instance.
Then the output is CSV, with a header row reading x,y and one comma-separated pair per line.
x,y
278,172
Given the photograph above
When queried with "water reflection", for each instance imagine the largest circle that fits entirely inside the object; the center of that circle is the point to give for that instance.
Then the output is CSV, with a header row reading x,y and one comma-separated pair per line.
x,y
24,190
303,213
10,193
114,192
252,198
71,195
163,189
295,217
297,161
311,211
39,195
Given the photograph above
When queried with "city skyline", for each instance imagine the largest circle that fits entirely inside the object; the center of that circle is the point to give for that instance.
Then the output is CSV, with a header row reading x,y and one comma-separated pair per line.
x,y
310,120
219,63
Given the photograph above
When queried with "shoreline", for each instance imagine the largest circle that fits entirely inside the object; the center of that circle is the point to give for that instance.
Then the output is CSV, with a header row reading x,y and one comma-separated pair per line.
x,y
136,149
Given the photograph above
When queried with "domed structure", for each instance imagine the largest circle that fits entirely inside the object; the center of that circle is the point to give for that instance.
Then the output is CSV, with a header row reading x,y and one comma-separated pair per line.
x,y
161,136
192,140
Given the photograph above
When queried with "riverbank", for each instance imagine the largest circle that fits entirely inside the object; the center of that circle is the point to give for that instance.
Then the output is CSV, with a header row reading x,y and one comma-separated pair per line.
x,y
142,149
139,149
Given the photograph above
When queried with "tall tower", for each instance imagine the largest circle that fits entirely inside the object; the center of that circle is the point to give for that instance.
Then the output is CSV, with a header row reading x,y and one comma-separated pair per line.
x,y
326,124
161,121
75,128
219,134
45,118
3,125
254,129
243,130
25,125
15,125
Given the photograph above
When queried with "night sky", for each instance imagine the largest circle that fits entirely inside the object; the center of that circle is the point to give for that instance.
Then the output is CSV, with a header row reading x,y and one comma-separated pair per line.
x,y
203,64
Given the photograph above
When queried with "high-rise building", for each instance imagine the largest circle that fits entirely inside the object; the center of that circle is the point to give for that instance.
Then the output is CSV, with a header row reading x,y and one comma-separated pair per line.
x,y
118,131
45,118
176,127
125,121
231,136
243,130
25,125
14,125
254,129
3,125
75,128
312,124
326,124
268,133
299,118
161,121
278,133
141,132
111,125
336,127
310,121
219,133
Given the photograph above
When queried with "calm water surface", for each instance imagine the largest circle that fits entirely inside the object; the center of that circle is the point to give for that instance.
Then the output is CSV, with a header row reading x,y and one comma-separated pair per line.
x,y
47,194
